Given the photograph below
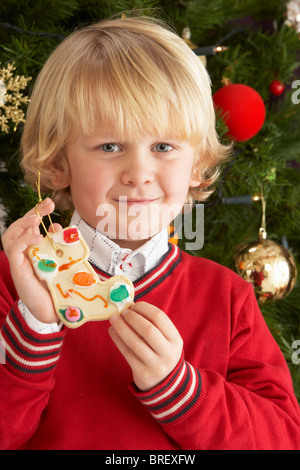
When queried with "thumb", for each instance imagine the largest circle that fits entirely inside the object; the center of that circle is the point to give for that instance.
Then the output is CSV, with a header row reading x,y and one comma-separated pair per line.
x,y
57,228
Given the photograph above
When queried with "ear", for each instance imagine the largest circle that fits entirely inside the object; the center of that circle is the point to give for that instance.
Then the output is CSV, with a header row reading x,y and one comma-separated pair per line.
x,y
195,181
59,177
196,173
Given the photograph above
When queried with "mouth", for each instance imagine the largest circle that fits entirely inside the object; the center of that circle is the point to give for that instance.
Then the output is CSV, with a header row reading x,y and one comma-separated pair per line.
x,y
130,202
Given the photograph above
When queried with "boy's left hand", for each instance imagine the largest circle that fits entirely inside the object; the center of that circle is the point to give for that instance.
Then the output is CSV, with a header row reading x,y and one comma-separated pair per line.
x,y
149,342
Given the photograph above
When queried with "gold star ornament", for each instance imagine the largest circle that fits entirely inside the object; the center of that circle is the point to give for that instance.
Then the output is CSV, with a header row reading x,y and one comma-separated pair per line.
x,y
12,99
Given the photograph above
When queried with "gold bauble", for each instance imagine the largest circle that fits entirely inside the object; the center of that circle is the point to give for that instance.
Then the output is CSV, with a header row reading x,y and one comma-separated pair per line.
x,y
268,266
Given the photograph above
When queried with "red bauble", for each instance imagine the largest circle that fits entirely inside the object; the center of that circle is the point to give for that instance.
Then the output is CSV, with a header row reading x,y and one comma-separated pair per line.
x,y
243,110
276,87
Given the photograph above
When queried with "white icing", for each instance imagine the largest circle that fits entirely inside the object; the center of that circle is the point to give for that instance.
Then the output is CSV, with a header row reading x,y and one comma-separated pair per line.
x,y
47,276
58,237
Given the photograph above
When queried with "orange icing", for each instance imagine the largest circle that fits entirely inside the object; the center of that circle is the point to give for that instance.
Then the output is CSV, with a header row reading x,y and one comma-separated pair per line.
x,y
66,266
72,312
34,251
72,291
83,279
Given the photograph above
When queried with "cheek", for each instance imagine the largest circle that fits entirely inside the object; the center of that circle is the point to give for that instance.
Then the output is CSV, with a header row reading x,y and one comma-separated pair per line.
x,y
87,180
176,181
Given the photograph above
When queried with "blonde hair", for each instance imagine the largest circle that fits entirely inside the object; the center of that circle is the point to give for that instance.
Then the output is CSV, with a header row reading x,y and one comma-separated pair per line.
x,y
133,72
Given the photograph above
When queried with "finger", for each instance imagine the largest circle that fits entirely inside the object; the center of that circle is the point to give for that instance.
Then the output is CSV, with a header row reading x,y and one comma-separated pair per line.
x,y
146,330
130,337
15,251
126,352
24,242
19,227
30,221
158,318
44,208
56,227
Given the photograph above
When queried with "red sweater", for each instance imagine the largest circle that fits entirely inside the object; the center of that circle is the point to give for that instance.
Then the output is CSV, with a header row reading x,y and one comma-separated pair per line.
x,y
72,390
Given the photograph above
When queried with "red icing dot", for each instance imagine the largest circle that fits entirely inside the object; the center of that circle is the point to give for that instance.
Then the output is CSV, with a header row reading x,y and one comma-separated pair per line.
x,y
71,235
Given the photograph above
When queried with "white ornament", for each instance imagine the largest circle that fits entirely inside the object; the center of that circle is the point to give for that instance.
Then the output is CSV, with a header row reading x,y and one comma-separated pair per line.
x,y
293,14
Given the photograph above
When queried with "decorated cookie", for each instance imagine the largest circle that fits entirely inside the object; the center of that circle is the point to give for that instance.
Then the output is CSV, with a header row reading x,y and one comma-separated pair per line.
x,y
77,293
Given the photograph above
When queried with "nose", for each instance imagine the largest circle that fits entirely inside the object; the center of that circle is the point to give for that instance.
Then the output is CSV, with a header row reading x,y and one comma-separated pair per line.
x,y
138,169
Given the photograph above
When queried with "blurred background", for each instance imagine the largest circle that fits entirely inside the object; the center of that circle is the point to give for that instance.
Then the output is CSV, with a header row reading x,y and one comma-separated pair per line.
x,y
252,53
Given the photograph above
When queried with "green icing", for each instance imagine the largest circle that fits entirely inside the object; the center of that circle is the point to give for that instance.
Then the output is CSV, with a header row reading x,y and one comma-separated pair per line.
x,y
47,265
119,294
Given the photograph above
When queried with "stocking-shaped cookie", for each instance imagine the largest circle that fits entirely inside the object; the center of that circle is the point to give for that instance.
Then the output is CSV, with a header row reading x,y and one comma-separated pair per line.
x,y
77,292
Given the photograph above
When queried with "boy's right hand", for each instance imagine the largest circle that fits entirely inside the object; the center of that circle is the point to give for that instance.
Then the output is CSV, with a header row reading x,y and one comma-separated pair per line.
x,y
16,240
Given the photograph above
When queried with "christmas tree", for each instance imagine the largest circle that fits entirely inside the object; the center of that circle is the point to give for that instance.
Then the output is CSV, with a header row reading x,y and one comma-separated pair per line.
x,y
250,43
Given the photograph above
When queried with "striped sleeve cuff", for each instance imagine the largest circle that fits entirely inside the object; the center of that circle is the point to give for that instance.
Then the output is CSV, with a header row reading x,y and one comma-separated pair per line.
x,y
176,397
28,354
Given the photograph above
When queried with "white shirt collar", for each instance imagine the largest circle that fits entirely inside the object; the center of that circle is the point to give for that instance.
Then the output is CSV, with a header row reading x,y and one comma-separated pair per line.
x,y
111,258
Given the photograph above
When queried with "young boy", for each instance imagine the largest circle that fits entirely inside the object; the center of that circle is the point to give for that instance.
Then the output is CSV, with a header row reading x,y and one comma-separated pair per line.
x,y
121,119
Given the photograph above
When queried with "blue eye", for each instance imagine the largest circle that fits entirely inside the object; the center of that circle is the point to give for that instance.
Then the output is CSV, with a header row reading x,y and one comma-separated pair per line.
x,y
110,147
163,147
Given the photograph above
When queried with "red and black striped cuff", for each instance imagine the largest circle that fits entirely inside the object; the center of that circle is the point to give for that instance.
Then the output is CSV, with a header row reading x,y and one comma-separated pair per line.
x,y
176,397
28,354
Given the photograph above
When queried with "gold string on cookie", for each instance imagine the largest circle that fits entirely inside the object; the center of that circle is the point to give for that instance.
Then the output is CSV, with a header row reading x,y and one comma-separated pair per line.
x,y
38,185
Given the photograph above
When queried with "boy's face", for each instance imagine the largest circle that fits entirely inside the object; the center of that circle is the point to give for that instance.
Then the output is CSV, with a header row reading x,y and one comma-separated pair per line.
x,y
129,190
